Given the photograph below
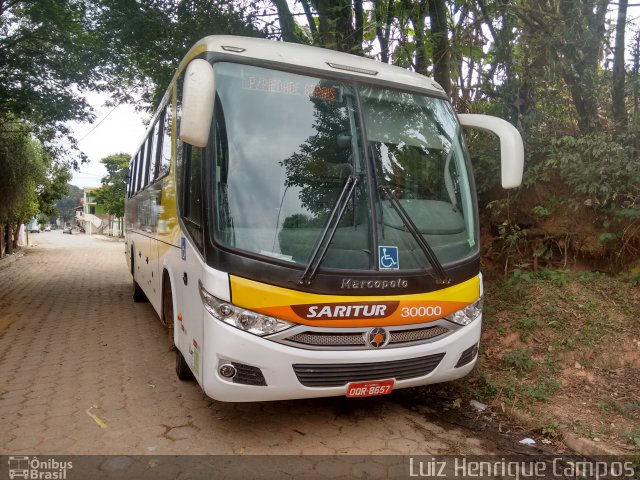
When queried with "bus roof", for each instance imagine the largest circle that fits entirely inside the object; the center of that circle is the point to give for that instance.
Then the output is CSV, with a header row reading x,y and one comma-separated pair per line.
x,y
314,58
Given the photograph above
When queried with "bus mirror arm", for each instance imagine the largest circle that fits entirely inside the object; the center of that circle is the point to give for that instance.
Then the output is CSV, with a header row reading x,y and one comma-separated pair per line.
x,y
511,147
197,103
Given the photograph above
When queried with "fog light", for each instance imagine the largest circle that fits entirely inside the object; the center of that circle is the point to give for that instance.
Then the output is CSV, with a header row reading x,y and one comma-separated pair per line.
x,y
227,371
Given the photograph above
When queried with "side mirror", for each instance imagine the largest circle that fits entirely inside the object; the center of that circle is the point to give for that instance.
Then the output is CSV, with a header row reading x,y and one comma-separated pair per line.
x,y
198,95
511,147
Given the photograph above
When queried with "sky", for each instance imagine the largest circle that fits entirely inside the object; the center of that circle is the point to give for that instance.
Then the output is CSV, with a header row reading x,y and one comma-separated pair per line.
x,y
115,130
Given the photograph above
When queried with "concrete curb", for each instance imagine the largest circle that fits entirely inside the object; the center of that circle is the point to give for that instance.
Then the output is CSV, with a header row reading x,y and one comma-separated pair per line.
x,y
10,259
584,446
580,445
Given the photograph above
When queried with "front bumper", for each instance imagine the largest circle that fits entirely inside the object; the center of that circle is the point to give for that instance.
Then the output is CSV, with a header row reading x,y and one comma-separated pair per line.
x,y
224,344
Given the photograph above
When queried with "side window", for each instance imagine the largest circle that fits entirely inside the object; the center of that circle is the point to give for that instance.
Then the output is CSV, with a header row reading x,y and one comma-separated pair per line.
x,y
130,178
165,141
144,165
153,152
192,192
148,154
138,174
139,163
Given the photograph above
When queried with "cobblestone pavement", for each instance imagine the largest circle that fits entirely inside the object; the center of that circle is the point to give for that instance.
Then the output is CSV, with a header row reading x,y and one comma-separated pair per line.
x,y
84,369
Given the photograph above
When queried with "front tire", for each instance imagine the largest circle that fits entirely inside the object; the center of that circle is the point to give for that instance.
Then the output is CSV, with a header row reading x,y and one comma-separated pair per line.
x,y
182,368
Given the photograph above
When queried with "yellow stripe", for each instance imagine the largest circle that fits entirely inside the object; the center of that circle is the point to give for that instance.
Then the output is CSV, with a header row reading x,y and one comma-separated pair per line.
x,y
277,301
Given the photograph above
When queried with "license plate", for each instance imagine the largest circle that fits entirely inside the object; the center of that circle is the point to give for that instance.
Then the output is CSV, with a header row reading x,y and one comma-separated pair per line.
x,y
370,389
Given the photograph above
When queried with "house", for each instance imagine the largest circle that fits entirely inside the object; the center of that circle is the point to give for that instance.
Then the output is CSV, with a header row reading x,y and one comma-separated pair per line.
x,y
93,218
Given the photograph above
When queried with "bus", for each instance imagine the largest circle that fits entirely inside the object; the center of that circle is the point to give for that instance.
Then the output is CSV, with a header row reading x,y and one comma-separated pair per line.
x,y
305,223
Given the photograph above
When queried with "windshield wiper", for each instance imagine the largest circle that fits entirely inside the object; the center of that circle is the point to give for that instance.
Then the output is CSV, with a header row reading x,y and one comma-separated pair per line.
x,y
322,245
441,275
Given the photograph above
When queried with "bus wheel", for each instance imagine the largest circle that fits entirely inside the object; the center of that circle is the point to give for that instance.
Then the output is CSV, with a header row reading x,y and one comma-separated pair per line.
x,y
138,294
167,302
182,368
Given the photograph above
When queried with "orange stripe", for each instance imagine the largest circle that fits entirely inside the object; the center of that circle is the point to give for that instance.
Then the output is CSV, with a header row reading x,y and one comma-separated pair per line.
x,y
401,316
395,309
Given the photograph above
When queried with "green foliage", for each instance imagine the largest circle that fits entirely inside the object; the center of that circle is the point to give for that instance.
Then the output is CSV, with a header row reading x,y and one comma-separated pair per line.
x,y
49,58
612,405
486,388
519,360
540,211
527,326
32,181
543,390
632,437
599,169
112,193
145,41
552,429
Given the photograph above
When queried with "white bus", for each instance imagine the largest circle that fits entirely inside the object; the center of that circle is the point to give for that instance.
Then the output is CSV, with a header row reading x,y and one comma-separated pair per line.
x,y
306,223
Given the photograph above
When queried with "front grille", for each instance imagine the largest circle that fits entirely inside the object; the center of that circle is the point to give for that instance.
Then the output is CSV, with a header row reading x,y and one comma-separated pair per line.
x,y
409,336
357,339
338,374
248,375
321,339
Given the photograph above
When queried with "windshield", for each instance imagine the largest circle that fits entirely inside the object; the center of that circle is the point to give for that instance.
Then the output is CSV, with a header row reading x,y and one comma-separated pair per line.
x,y
420,162
287,145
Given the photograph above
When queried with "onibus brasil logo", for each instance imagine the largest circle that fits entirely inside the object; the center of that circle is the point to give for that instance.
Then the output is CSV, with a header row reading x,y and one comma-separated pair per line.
x,y
36,469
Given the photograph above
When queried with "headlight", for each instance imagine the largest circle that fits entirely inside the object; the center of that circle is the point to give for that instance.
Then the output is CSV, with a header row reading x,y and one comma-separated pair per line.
x,y
245,320
467,314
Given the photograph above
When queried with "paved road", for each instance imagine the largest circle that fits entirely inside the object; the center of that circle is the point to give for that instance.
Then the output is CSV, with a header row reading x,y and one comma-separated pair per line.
x,y
84,370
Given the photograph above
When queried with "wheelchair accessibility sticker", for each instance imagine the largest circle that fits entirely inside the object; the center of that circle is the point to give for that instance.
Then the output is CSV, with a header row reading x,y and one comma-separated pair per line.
x,y
388,258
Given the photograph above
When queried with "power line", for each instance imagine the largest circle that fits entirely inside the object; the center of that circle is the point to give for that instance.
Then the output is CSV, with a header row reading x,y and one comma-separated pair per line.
x,y
87,173
98,124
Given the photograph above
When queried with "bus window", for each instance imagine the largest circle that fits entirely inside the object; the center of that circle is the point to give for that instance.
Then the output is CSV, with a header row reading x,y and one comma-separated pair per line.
x,y
139,162
153,152
129,178
192,184
134,174
165,142
150,155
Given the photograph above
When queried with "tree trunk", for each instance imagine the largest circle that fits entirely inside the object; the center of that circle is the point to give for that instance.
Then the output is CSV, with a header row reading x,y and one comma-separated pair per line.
x,y
383,28
1,241
9,239
310,20
16,236
287,24
617,90
583,35
635,76
440,44
417,17
359,27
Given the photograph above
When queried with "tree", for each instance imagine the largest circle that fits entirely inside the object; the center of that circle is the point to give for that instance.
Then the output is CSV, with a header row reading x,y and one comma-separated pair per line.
x,y
67,204
145,40
31,181
112,192
340,24
49,55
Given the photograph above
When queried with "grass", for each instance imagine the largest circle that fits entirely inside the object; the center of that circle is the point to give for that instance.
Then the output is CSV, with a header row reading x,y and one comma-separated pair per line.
x,y
519,360
632,437
610,405
547,336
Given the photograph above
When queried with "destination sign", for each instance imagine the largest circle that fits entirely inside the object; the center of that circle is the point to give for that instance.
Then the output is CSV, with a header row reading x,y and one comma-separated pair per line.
x,y
290,87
